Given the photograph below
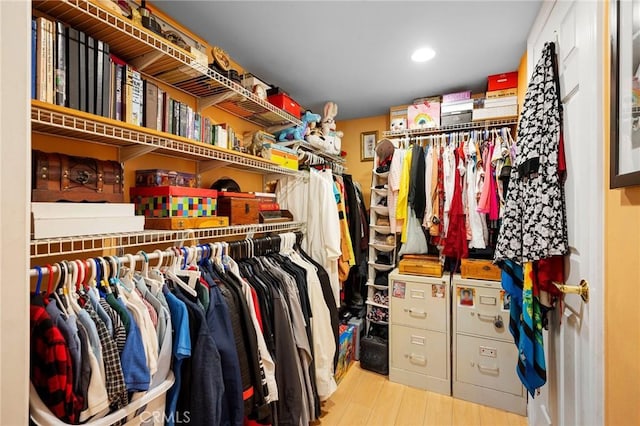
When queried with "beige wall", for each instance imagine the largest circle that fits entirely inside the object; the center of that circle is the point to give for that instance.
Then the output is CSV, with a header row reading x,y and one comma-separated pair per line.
x,y
361,170
622,283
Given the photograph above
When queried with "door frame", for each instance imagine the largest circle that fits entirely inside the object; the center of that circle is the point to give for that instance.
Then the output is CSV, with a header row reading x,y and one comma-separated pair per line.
x,y
594,408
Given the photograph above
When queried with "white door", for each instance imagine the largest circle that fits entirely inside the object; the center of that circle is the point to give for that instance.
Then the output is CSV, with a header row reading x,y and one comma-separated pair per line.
x,y
574,393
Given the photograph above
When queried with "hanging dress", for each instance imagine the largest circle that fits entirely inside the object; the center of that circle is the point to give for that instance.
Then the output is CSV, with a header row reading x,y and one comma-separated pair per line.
x,y
534,224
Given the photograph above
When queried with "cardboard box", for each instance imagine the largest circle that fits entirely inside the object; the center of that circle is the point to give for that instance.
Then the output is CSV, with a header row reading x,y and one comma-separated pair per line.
x,y
398,114
161,177
502,93
280,155
495,113
507,80
174,201
284,102
346,350
424,115
358,332
458,106
455,118
455,97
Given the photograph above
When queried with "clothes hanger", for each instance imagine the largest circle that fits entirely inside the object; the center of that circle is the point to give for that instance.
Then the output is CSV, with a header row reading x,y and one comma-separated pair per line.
x,y
172,273
71,293
60,287
39,280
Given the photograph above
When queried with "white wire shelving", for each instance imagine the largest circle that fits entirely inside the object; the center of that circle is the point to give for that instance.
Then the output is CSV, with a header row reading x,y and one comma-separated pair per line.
x,y
158,57
134,140
476,125
103,242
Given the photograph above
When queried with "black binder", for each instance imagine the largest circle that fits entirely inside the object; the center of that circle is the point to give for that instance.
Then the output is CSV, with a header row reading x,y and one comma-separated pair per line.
x,y
107,91
82,76
60,77
73,69
91,75
99,66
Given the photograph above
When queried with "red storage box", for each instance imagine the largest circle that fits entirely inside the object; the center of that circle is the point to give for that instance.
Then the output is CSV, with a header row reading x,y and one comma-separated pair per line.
x,y
284,102
174,201
508,80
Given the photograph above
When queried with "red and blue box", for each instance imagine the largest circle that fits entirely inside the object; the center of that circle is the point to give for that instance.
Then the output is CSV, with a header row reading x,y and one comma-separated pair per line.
x,y
347,350
174,201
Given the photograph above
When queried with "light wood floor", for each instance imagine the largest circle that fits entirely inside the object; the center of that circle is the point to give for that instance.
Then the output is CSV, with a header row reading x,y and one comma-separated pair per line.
x,y
367,398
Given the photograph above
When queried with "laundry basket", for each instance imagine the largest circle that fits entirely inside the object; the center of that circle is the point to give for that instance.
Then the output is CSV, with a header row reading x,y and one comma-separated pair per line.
x,y
148,410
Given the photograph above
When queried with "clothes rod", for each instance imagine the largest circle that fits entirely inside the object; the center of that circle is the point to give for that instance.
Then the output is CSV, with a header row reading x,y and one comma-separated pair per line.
x,y
170,252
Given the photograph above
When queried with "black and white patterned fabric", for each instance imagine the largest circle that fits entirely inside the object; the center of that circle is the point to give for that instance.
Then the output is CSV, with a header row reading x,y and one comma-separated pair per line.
x,y
534,223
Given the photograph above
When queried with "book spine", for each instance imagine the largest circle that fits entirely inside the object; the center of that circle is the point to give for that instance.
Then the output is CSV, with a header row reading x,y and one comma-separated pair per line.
x,y
118,92
176,117
73,69
197,131
82,74
107,82
50,62
127,101
34,58
99,76
137,98
167,113
150,104
159,110
190,123
61,65
183,120
91,75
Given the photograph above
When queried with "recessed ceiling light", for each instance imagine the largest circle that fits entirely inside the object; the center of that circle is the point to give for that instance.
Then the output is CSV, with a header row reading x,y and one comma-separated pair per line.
x,y
423,54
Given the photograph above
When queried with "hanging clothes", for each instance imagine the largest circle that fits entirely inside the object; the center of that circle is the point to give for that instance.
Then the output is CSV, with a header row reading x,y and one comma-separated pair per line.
x,y
455,244
534,223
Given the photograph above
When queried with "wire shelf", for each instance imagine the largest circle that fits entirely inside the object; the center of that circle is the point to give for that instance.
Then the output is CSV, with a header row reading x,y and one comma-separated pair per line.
x,y
160,58
454,127
48,118
71,245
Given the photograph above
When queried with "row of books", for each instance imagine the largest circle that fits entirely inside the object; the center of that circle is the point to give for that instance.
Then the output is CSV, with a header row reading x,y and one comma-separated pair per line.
x,y
75,70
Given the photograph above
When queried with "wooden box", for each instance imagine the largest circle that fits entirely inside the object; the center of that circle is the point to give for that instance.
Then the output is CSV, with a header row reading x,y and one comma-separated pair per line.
x,y
480,269
426,265
159,177
60,177
186,222
174,201
240,210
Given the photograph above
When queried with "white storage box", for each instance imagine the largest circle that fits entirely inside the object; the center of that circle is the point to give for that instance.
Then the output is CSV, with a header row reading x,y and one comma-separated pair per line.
x,y
54,220
148,410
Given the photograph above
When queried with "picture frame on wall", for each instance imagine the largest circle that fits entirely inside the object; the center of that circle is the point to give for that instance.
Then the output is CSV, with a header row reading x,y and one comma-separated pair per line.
x,y
368,145
625,94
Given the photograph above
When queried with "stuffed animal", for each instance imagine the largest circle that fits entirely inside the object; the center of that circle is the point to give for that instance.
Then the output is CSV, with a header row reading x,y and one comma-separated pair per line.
x,y
298,132
258,139
398,124
332,137
315,138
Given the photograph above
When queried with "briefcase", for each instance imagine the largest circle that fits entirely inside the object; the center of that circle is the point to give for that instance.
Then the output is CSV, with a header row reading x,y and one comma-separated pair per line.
x,y
60,177
374,354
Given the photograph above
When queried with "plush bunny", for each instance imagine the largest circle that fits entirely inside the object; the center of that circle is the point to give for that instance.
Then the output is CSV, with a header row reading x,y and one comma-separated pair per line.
x,y
332,137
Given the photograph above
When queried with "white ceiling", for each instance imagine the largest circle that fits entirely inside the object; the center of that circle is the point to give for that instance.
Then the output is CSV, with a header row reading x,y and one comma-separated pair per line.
x,y
357,53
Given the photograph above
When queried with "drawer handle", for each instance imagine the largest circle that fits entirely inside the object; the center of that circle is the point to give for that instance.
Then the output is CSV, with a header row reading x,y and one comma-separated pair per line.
x,y
484,367
416,358
496,319
416,312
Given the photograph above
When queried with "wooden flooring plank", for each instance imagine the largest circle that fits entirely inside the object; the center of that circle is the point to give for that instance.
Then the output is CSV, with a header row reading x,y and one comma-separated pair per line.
x,y
465,413
493,417
384,408
439,410
355,415
412,407
368,386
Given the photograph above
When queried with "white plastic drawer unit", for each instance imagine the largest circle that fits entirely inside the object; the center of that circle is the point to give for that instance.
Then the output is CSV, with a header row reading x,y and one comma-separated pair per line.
x,y
487,363
419,302
420,351
481,309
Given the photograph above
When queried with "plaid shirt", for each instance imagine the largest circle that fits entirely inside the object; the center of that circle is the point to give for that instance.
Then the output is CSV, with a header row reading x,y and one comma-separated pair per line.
x,y
116,388
51,369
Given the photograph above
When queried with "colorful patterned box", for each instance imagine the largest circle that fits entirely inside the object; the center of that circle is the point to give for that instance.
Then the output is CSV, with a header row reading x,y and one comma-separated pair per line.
x,y
346,350
174,201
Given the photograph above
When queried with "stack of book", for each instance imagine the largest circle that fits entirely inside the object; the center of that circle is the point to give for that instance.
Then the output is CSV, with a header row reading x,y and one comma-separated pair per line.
x,y
74,70
456,108
496,104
